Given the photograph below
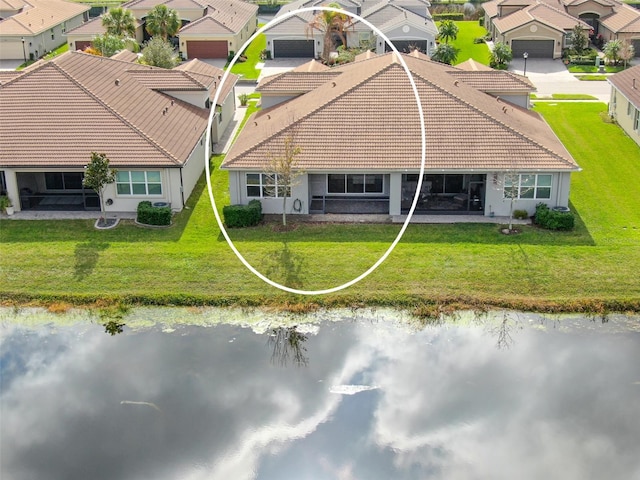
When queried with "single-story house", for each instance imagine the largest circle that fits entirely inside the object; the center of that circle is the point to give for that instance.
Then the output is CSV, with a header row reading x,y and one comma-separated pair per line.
x,y
539,29
506,22
210,28
406,29
150,122
359,134
224,29
35,27
624,106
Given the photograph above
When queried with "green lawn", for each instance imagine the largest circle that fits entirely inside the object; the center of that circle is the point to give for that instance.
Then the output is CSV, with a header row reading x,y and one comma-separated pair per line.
x,y
248,69
467,32
564,96
467,264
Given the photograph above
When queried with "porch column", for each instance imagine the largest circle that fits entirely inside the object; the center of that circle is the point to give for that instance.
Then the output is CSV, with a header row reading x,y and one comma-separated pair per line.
x,y
395,193
13,192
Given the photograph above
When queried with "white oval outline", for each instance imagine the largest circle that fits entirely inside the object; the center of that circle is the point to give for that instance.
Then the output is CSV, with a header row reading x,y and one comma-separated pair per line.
x,y
268,25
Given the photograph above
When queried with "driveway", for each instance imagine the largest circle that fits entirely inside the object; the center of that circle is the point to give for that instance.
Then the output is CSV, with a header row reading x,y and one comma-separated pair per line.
x,y
10,64
551,76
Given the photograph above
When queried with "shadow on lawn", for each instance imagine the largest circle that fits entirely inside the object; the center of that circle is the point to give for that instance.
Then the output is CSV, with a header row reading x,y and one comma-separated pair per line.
x,y
469,233
284,266
87,255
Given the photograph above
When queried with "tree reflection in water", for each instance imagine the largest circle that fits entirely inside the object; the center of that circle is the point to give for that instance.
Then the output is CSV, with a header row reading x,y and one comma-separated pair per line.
x,y
287,344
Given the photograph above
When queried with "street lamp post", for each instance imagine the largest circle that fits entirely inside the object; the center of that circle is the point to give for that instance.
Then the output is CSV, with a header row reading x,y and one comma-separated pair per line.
x,y
525,55
24,52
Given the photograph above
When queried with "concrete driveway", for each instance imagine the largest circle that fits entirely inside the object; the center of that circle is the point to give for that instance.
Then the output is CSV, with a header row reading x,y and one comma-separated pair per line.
x,y
10,64
551,76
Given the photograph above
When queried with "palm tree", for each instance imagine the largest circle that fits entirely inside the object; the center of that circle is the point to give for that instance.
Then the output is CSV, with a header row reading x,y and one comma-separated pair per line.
x,y
163,22
119,22
333,25
447,31
612,51
445,53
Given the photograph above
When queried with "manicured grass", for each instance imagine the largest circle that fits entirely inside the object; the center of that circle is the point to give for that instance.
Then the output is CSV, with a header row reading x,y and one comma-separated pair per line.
x,y
592,78
467,32
248,69
592,69
564,96
474,265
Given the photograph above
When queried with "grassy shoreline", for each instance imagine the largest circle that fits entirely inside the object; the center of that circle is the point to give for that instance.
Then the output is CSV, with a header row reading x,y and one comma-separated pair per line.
x,y
435,268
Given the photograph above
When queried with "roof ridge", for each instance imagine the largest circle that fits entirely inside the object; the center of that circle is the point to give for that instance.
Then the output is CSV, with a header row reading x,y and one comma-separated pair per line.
x,y
632,21
113,111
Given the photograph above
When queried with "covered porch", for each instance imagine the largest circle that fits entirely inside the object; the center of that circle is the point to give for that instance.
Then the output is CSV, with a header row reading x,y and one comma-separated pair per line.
x,y
55,191
445,194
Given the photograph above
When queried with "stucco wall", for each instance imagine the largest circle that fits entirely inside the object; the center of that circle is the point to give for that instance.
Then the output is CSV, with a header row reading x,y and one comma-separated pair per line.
x,y
542,32
618,107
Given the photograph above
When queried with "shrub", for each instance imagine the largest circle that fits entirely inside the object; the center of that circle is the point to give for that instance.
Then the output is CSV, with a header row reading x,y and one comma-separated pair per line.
x,y
455,16
244,99
243,215
478,40
520,214
481,21
553,220
150,215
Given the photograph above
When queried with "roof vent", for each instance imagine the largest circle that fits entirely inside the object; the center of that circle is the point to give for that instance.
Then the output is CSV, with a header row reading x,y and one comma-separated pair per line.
x,y
172,102
634,83
269,117
117,82
455,84
255,124
497,99
333,84
504,109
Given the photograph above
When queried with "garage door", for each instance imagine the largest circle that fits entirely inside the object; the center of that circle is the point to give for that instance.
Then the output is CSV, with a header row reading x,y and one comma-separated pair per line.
x,y
293,49
535,48
407,46
207,49
636,47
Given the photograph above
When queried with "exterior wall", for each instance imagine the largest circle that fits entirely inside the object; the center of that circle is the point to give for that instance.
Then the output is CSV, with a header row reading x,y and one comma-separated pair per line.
x,y
271,100
238,194
218,127
494,201
191,172
72,38
395,193
618,109
588,7
198,98
399,33
541,32
519,100
38,44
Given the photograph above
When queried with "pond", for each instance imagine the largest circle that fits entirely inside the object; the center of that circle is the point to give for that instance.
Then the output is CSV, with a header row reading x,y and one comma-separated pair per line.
x,y
335,395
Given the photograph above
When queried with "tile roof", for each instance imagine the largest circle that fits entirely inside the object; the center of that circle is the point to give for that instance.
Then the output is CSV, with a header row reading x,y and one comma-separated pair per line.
x,y
491,8
212,75
494,80
312,66
541,12
125,56
12,4
97,106
223,17
404,16
624,19
473,66
93,27
39,16
295,82
628,83
367,119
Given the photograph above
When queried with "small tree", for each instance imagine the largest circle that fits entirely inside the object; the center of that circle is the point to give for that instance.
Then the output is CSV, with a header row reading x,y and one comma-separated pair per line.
x,y
515,186
159,53
501,55
119,22
612,51
284,172
447,31
627,52
445,53
163,22
97,175
578,40
106,45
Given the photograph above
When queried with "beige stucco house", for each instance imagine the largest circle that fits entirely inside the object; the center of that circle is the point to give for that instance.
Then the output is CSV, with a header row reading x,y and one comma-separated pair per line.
x,y
210,28
624,106
359,133
150,122
31,28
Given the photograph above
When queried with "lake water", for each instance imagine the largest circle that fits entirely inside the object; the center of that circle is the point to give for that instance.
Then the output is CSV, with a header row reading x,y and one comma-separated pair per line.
x,y
332,396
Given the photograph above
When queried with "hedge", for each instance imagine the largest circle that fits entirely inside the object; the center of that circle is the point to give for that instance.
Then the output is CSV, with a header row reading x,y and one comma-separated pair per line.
x,y
242,215
455,16
552,219
150,215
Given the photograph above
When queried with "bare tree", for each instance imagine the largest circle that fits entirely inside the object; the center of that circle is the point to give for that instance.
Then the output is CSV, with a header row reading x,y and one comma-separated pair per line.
x,y
333,26
283,173
288,343
515,186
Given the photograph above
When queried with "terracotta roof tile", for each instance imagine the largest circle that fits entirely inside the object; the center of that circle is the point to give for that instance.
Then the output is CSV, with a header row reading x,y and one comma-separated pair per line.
x,y
540,12
628,83
624,19
298,82
98,106
313,66
210,76
40,16
466,129
494,80
125,56
175,4
473,66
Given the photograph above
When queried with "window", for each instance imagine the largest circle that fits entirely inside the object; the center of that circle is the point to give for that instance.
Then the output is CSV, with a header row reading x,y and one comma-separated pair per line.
x,y
63,180
266,185
527,186
64,27
630,109
355,183
138,183
636,119
53,35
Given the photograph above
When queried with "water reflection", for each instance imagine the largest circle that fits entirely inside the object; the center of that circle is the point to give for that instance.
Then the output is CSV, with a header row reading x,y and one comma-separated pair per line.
x,y
211,403
288,345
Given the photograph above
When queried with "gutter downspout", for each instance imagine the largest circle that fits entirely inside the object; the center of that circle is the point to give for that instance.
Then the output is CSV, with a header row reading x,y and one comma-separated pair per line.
x,y
181,188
